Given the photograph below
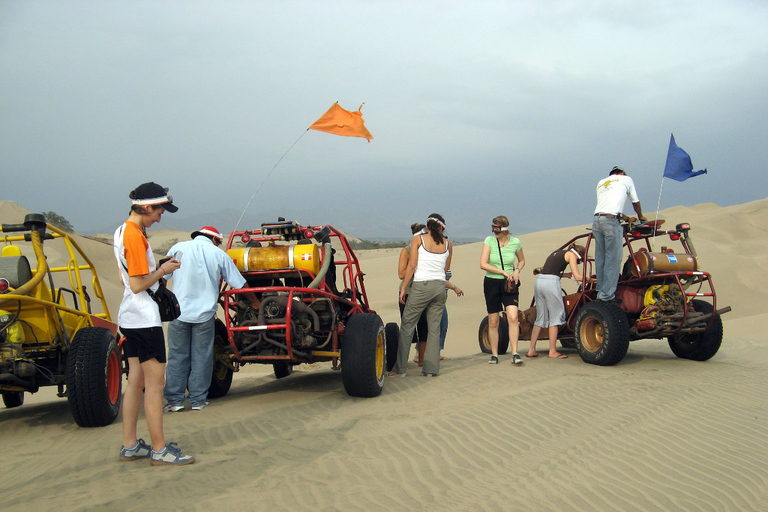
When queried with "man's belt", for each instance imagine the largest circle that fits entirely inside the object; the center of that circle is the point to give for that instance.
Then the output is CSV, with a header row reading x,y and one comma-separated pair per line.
x,y
608,215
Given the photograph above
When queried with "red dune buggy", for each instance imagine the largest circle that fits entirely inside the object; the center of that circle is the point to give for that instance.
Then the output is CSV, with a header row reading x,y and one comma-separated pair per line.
x,y
313,308
663,294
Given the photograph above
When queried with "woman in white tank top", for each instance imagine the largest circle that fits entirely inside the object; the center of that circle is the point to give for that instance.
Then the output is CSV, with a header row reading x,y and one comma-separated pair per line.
x,y
430,258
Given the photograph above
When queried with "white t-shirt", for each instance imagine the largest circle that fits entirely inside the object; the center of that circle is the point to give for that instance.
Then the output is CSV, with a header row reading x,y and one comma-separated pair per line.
x,y
134,258
612,193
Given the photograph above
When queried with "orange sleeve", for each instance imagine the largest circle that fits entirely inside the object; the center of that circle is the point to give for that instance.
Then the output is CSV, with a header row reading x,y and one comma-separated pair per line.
x,y
136,246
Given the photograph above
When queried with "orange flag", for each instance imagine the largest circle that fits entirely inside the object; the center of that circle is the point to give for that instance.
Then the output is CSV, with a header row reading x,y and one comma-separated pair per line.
x,y
342,122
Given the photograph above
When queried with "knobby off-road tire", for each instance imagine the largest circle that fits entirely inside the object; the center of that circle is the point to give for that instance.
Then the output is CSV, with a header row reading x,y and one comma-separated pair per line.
x,y
13,399
602,333
363,357
484,342
94,377
392,333
221,377
282,369
699,346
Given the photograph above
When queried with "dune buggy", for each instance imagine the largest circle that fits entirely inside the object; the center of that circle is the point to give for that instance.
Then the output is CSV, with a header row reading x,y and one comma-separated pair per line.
x,y
49,336
303,316
662,294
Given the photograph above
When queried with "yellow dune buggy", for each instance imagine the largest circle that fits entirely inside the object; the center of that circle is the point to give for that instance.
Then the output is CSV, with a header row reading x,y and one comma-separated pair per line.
x,y
49,335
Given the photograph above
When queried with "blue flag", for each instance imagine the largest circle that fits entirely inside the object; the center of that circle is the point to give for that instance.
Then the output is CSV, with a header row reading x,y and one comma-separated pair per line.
x,y
679,166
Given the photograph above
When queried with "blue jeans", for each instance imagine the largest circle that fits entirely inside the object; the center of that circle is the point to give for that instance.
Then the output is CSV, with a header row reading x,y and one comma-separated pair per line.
x,y
609,239
190,361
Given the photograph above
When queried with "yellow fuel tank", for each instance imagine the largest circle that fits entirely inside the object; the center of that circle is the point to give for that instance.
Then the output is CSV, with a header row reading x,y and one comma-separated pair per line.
x,y
653,262
277,257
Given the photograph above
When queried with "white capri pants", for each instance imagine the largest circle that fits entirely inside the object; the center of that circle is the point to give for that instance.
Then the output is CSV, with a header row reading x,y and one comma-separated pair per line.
x,y
549,301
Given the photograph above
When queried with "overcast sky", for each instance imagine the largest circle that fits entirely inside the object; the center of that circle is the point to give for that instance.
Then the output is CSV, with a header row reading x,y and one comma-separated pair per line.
x,y
477,108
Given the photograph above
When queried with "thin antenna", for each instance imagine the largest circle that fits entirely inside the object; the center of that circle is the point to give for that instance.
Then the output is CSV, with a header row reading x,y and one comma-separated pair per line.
x,y
265,179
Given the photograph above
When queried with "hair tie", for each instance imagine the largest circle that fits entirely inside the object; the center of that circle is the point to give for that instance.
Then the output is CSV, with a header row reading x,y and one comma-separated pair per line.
x,y
437,220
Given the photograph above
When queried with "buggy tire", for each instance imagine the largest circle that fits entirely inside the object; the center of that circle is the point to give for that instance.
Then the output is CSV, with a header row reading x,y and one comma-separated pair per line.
x,y
282,369
13,399
392,333
568,343
602,333
221,376
94,377
699,346
363,357
484,342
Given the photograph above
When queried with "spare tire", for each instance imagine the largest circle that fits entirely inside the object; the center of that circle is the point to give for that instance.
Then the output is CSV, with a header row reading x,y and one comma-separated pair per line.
x,y
483,340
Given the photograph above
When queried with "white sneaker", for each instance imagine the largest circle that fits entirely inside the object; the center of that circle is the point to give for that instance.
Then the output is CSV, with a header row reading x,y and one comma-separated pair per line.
x,y
200,407
173,408
516,359
170,455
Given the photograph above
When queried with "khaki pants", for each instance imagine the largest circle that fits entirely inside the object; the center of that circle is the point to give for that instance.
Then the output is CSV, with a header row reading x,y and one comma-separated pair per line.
x,y
429,296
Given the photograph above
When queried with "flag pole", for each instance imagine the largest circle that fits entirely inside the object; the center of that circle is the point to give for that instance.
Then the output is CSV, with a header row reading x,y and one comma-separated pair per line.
x,y
658,205
266,177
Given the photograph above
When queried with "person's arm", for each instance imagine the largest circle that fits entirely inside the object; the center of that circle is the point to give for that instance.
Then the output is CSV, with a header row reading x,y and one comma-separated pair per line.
x,y
455,288
402,263
485,265
573,261
450,256
639,210
520,264
140,283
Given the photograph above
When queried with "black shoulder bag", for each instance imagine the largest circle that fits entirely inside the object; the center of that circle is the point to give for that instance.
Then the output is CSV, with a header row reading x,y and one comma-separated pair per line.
x,y
167,302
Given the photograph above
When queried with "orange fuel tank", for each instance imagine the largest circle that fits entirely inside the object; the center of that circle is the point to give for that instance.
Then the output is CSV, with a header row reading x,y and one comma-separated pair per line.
x,y
656,262
277,257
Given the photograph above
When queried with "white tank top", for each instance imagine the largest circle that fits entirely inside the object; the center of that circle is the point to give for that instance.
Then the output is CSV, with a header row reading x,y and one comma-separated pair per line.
x,y
431,265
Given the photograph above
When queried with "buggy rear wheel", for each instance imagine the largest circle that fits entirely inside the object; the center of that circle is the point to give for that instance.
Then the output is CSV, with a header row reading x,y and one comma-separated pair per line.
x,y
699,346
13,399
221,377
94,377
282,369
602,333
484,341
363,355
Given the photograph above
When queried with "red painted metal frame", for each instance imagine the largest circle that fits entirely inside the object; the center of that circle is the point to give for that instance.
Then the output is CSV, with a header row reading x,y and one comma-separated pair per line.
x,y
589,293
352,281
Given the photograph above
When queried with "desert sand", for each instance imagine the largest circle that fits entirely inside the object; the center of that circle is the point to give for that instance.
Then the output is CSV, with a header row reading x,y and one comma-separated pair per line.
x,y
651,433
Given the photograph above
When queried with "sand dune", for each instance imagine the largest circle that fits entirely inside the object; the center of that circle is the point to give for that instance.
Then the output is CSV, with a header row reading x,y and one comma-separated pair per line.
x,y
652,433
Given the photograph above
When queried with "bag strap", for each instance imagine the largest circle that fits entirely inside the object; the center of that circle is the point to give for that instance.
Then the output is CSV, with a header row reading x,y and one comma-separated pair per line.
x,y
501,256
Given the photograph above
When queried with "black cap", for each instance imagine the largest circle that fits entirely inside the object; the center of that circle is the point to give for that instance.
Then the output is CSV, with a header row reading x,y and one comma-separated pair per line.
x,y
616,170
152,194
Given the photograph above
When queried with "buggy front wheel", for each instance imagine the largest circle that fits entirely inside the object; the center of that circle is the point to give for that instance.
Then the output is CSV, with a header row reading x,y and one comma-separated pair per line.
x,y
94,377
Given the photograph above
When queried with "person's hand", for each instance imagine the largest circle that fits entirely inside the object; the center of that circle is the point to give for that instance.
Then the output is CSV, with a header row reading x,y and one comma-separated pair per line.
x,y
402,296
458,291
256,304
169,266
516,276
643,218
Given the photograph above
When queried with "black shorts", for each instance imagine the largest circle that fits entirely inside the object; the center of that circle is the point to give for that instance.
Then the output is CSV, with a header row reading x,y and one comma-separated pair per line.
x,y
145,343
496,299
